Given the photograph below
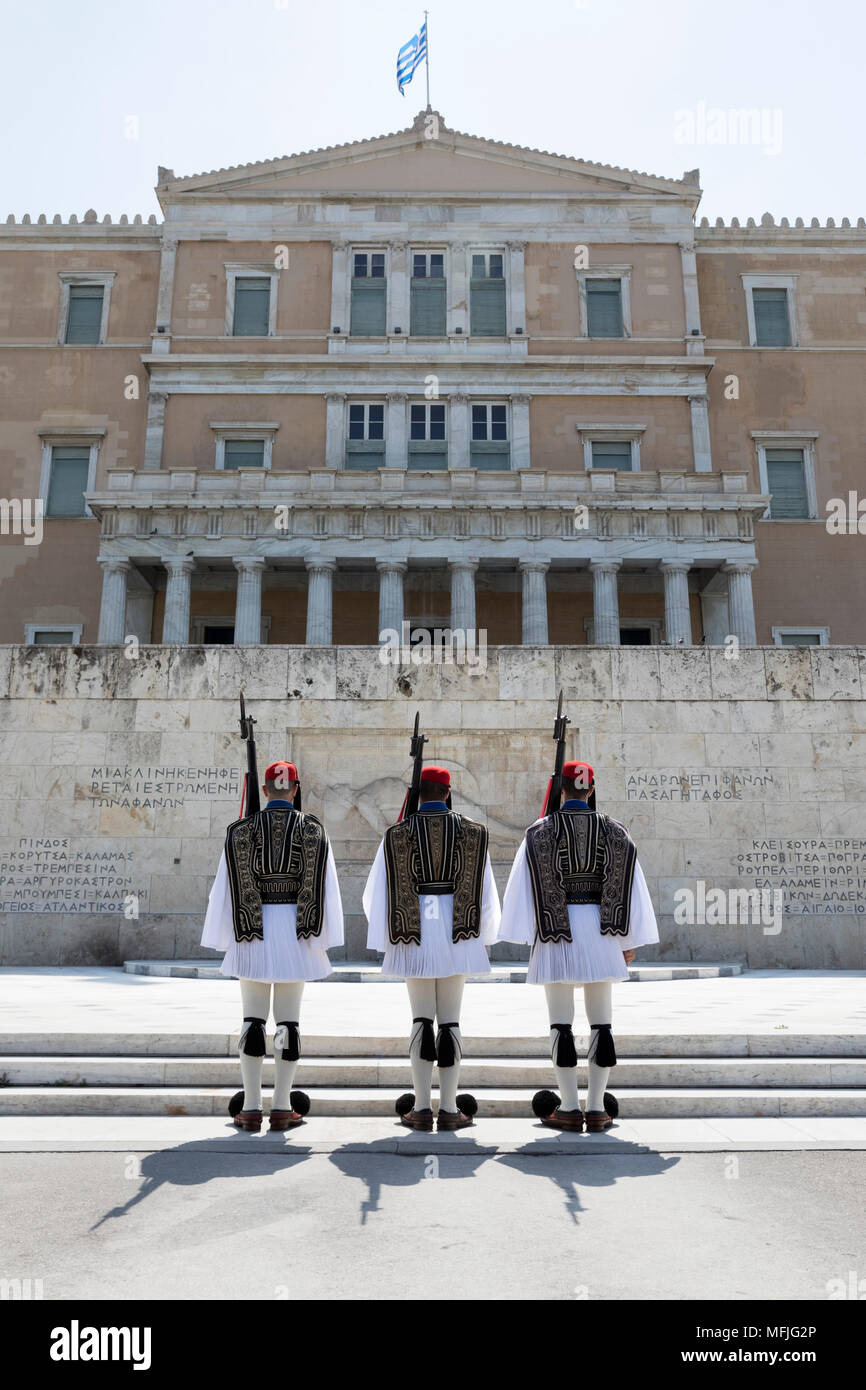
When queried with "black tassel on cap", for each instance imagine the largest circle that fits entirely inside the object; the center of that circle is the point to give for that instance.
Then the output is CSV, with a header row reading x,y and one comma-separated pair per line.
x,y
447,1046
565,1052
604,1051
544,1103
428,1040
404,1103
252,1042
467,1104
291,1042
300,1102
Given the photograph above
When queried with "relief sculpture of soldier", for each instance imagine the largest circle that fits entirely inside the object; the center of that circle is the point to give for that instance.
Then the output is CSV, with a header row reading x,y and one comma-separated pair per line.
x,y
578,896
275,909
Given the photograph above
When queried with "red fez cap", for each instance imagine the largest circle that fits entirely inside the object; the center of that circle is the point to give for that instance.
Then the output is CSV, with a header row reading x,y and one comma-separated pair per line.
x,y
281,773
436,774
581,773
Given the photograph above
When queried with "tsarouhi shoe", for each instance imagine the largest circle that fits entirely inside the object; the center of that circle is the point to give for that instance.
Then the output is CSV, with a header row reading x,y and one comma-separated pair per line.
x,y
250,1120
453,1119
597,1121
572,1120
285,1119
418,1119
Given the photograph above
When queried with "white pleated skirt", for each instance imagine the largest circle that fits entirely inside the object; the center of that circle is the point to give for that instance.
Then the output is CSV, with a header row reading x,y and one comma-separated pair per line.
x,y
438,956
588,958
279,955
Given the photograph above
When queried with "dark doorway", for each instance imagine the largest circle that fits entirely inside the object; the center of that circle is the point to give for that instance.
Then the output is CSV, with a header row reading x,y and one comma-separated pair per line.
x,y
635,637
219,636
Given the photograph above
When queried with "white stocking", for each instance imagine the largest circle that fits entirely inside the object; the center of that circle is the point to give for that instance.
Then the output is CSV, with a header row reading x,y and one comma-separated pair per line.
x,y
256,1002
287,1009
560,1008
449,997
598,1002
422,1000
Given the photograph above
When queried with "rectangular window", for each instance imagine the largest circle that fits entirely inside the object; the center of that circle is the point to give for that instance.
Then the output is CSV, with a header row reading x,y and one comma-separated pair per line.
x,y
70,465
772,320
612,454
798,639
786,483
369,295
252,306
487,295
427,447
365,447
489,446
244,453
53,637
84,319
427,295
604,309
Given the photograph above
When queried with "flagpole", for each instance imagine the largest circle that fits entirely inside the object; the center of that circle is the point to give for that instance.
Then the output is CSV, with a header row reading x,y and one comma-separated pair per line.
x,y
427,58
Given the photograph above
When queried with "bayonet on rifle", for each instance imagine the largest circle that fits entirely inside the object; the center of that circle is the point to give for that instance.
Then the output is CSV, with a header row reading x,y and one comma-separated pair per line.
x,y
250,802
554,788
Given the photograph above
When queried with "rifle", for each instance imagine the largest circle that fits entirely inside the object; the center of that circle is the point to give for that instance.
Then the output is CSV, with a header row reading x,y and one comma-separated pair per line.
x,y
250,801
416,752
554,786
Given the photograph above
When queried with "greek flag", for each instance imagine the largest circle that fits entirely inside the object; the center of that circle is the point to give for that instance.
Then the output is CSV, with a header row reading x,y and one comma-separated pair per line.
x,y
411,55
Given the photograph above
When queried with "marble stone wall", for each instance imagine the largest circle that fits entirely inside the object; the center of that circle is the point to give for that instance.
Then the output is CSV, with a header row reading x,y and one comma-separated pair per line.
x,y
118,777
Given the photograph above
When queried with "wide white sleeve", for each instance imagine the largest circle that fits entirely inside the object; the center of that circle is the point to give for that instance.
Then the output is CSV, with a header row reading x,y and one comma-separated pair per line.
x,y
518,907
219,932
490,909
642,925
333,933
375,902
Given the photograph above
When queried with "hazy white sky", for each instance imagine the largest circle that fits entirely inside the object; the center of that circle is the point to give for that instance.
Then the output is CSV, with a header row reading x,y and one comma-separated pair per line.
x,y
637,83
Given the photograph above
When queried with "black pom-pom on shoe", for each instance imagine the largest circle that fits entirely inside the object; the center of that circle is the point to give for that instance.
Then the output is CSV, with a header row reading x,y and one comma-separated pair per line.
x,y
544,1103
404,1103
467,1105
611,1104
300,1102
236,1104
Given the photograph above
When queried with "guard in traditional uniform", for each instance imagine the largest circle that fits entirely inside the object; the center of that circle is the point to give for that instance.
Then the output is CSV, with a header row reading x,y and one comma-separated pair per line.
x,y
432,907
578,895
275,910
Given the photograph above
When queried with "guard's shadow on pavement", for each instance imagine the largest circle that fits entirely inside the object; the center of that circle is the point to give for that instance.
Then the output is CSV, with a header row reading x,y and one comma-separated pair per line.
x,y
407,1167
162,1169
572,1171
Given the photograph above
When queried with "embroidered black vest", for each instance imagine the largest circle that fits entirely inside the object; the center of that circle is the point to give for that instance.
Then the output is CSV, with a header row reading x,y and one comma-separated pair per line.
x,y
434,852
580,857
276,856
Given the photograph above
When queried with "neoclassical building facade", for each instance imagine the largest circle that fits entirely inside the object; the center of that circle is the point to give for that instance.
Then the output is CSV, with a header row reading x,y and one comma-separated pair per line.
x,y
436,379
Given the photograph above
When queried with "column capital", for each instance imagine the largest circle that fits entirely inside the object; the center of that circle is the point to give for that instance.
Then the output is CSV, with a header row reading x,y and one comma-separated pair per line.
x,y
392,566
605,566
532,562
698,397
519,398
114,564
249,563
157,397
459,398
319,562
676,566
397,397
464,562
335,397
178,564
398,243
739,566
516,245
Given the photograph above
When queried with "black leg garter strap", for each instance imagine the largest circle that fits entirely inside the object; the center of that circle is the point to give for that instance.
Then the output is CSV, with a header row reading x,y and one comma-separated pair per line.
x,y
427,1052
287,1042
448,1050
563,1052
602,1050
252,1039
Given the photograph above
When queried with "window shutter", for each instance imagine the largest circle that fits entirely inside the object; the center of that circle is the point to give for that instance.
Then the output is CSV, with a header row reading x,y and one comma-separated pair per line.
x,y
613,454
487,300
427,309
604,309
786,482
772,328
244,453
491,456
85,313
368,308
252,306
69,469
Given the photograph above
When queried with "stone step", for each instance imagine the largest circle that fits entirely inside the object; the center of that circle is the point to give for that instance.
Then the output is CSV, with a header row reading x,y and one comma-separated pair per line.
x,y
635,1102
368,972
476,1071
774,1042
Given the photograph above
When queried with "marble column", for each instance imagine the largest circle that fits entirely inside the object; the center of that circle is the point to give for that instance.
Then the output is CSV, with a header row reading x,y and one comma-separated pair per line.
x,y
520,432
161,341
175,624
678,618
320,589
248,604
112,610
701,450
605,600
335,430
398,288
516,294
534,602
341,287
154,430
391,595
396,431
458,431
457,313
463,593
741,604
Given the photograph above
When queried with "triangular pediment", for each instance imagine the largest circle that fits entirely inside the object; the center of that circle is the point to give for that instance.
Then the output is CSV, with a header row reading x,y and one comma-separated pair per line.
x,y
427,158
